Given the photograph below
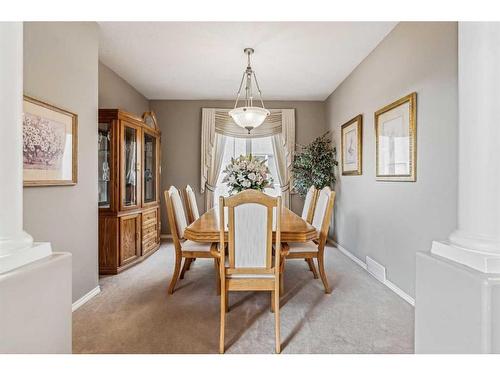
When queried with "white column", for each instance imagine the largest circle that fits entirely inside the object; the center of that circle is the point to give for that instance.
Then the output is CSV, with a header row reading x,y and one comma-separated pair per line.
x,y
16,246
476,242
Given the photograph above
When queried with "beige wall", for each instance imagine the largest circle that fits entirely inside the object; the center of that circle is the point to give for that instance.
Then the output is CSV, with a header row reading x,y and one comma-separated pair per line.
x,y
180,123
60,67
391,221
115,92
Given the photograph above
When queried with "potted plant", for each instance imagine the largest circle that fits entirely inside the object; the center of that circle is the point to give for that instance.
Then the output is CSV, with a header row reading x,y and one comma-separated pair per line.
x,y
315,164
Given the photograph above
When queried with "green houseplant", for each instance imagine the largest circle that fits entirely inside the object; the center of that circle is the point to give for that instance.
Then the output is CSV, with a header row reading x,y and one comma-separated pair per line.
x,y
315,164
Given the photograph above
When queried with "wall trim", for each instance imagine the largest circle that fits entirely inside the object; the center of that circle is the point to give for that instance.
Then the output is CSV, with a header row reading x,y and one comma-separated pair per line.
x,y
87,297
362,264
165,236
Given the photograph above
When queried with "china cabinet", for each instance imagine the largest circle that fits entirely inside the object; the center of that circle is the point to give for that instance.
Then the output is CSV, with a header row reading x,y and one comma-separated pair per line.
x,y
128,188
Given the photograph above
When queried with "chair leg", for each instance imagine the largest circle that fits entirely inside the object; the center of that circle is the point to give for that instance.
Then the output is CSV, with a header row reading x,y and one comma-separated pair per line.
x,y
272,301
227,300
312,267
185,267
321,266
175,276
282,278
277,318
217,276
190,263
223,305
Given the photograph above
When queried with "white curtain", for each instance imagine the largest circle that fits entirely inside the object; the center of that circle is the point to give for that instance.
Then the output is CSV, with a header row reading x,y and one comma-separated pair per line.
x,y
283,173
214,170
283,148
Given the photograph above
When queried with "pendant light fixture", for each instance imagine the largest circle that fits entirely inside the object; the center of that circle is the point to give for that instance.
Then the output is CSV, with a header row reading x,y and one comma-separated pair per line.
x,y
248,116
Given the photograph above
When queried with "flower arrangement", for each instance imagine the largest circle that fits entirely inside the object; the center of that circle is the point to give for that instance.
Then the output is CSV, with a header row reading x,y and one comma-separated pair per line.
x,y
315,165
43,142
247,172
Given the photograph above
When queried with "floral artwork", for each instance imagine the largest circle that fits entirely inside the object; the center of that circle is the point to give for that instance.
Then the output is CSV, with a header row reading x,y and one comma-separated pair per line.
x,y
50,142
43,142
247,172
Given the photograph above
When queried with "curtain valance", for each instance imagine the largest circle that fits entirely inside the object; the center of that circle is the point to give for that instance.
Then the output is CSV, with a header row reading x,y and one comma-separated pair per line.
x,y
225,125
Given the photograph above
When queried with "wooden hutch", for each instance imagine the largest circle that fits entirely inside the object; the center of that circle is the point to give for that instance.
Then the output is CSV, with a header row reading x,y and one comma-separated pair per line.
x,y
129,184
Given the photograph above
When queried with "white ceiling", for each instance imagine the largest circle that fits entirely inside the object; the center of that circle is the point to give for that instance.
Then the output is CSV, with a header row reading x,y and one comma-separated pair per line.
x,y
205,60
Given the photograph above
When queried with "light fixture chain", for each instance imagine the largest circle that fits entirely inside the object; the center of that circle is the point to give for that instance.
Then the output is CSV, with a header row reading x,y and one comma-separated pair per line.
x,y
239,90
258,89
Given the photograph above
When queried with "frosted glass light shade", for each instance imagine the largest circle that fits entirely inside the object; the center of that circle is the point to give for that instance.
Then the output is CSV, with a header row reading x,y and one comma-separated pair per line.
x,y
249,117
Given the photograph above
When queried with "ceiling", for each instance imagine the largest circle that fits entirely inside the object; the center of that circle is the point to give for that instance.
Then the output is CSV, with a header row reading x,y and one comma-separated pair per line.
x,y
205,60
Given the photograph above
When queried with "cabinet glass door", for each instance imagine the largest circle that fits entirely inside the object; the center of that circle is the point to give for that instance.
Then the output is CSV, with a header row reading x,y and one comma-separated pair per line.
x,y
130,160
149,168
104,165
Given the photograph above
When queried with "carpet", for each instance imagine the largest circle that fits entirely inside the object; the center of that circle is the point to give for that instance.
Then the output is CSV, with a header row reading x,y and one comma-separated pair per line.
x,y
134,313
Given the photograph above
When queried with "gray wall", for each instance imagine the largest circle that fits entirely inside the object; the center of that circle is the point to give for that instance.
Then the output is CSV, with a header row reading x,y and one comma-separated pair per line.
x,y
391,221
115,92
180,123
60,67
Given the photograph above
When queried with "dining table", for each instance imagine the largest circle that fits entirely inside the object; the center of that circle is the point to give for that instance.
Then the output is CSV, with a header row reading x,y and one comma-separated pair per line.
x,y
207,227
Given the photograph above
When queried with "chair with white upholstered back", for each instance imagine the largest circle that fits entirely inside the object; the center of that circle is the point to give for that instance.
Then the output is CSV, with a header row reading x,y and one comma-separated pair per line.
x,y
186,249
309,204
249,264
191,205
315,249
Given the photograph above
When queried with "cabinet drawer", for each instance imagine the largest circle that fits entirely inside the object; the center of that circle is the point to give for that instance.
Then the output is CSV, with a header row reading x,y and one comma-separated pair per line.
x,y
150,235
149,227
149,245
149,217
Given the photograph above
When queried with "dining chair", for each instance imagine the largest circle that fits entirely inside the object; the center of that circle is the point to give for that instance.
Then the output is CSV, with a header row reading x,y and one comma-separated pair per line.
x,y
186,249
309,204
249,263
316,248
190,204
307,215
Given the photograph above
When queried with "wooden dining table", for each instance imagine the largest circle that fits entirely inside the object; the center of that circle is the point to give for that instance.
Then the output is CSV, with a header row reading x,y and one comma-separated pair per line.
x,y
293,228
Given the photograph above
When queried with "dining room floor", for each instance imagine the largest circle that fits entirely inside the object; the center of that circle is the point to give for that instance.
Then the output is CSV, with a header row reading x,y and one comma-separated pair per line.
x,y
134,314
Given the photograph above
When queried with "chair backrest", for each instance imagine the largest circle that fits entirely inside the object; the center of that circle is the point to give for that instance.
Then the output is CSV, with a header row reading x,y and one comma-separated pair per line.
x,y
309,204
175,212
191,205
323,213
250,232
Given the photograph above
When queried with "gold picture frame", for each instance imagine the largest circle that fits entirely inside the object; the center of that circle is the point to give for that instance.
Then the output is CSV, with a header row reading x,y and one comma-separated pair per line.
x,y
396,140
50,144
351,139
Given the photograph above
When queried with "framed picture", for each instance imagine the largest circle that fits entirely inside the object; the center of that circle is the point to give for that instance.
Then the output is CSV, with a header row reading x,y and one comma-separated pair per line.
x,y
352,146
50,141
396,140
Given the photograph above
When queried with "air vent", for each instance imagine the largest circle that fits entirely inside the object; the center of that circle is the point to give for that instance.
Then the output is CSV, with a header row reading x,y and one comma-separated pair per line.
x,y
376,269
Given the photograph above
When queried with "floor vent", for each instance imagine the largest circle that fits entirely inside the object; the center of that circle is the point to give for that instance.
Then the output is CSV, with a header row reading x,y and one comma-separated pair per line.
x,y
376,269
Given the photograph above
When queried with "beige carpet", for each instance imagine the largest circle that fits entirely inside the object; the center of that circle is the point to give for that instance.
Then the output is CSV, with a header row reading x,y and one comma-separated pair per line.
x,y
134,313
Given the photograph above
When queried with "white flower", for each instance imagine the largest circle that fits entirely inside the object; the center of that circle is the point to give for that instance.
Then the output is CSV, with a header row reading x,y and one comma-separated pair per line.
x,y
252,176
246,183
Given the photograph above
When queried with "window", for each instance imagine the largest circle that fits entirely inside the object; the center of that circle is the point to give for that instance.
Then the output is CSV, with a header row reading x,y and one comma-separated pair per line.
x,y
258,147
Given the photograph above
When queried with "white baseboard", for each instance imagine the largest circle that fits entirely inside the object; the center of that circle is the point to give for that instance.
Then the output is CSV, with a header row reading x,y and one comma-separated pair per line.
x,y
362,264
164,236
87,297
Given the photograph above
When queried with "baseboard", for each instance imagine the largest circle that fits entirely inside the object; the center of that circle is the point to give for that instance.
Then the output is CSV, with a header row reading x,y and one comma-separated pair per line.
x,y
362,264
164,236
87,297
